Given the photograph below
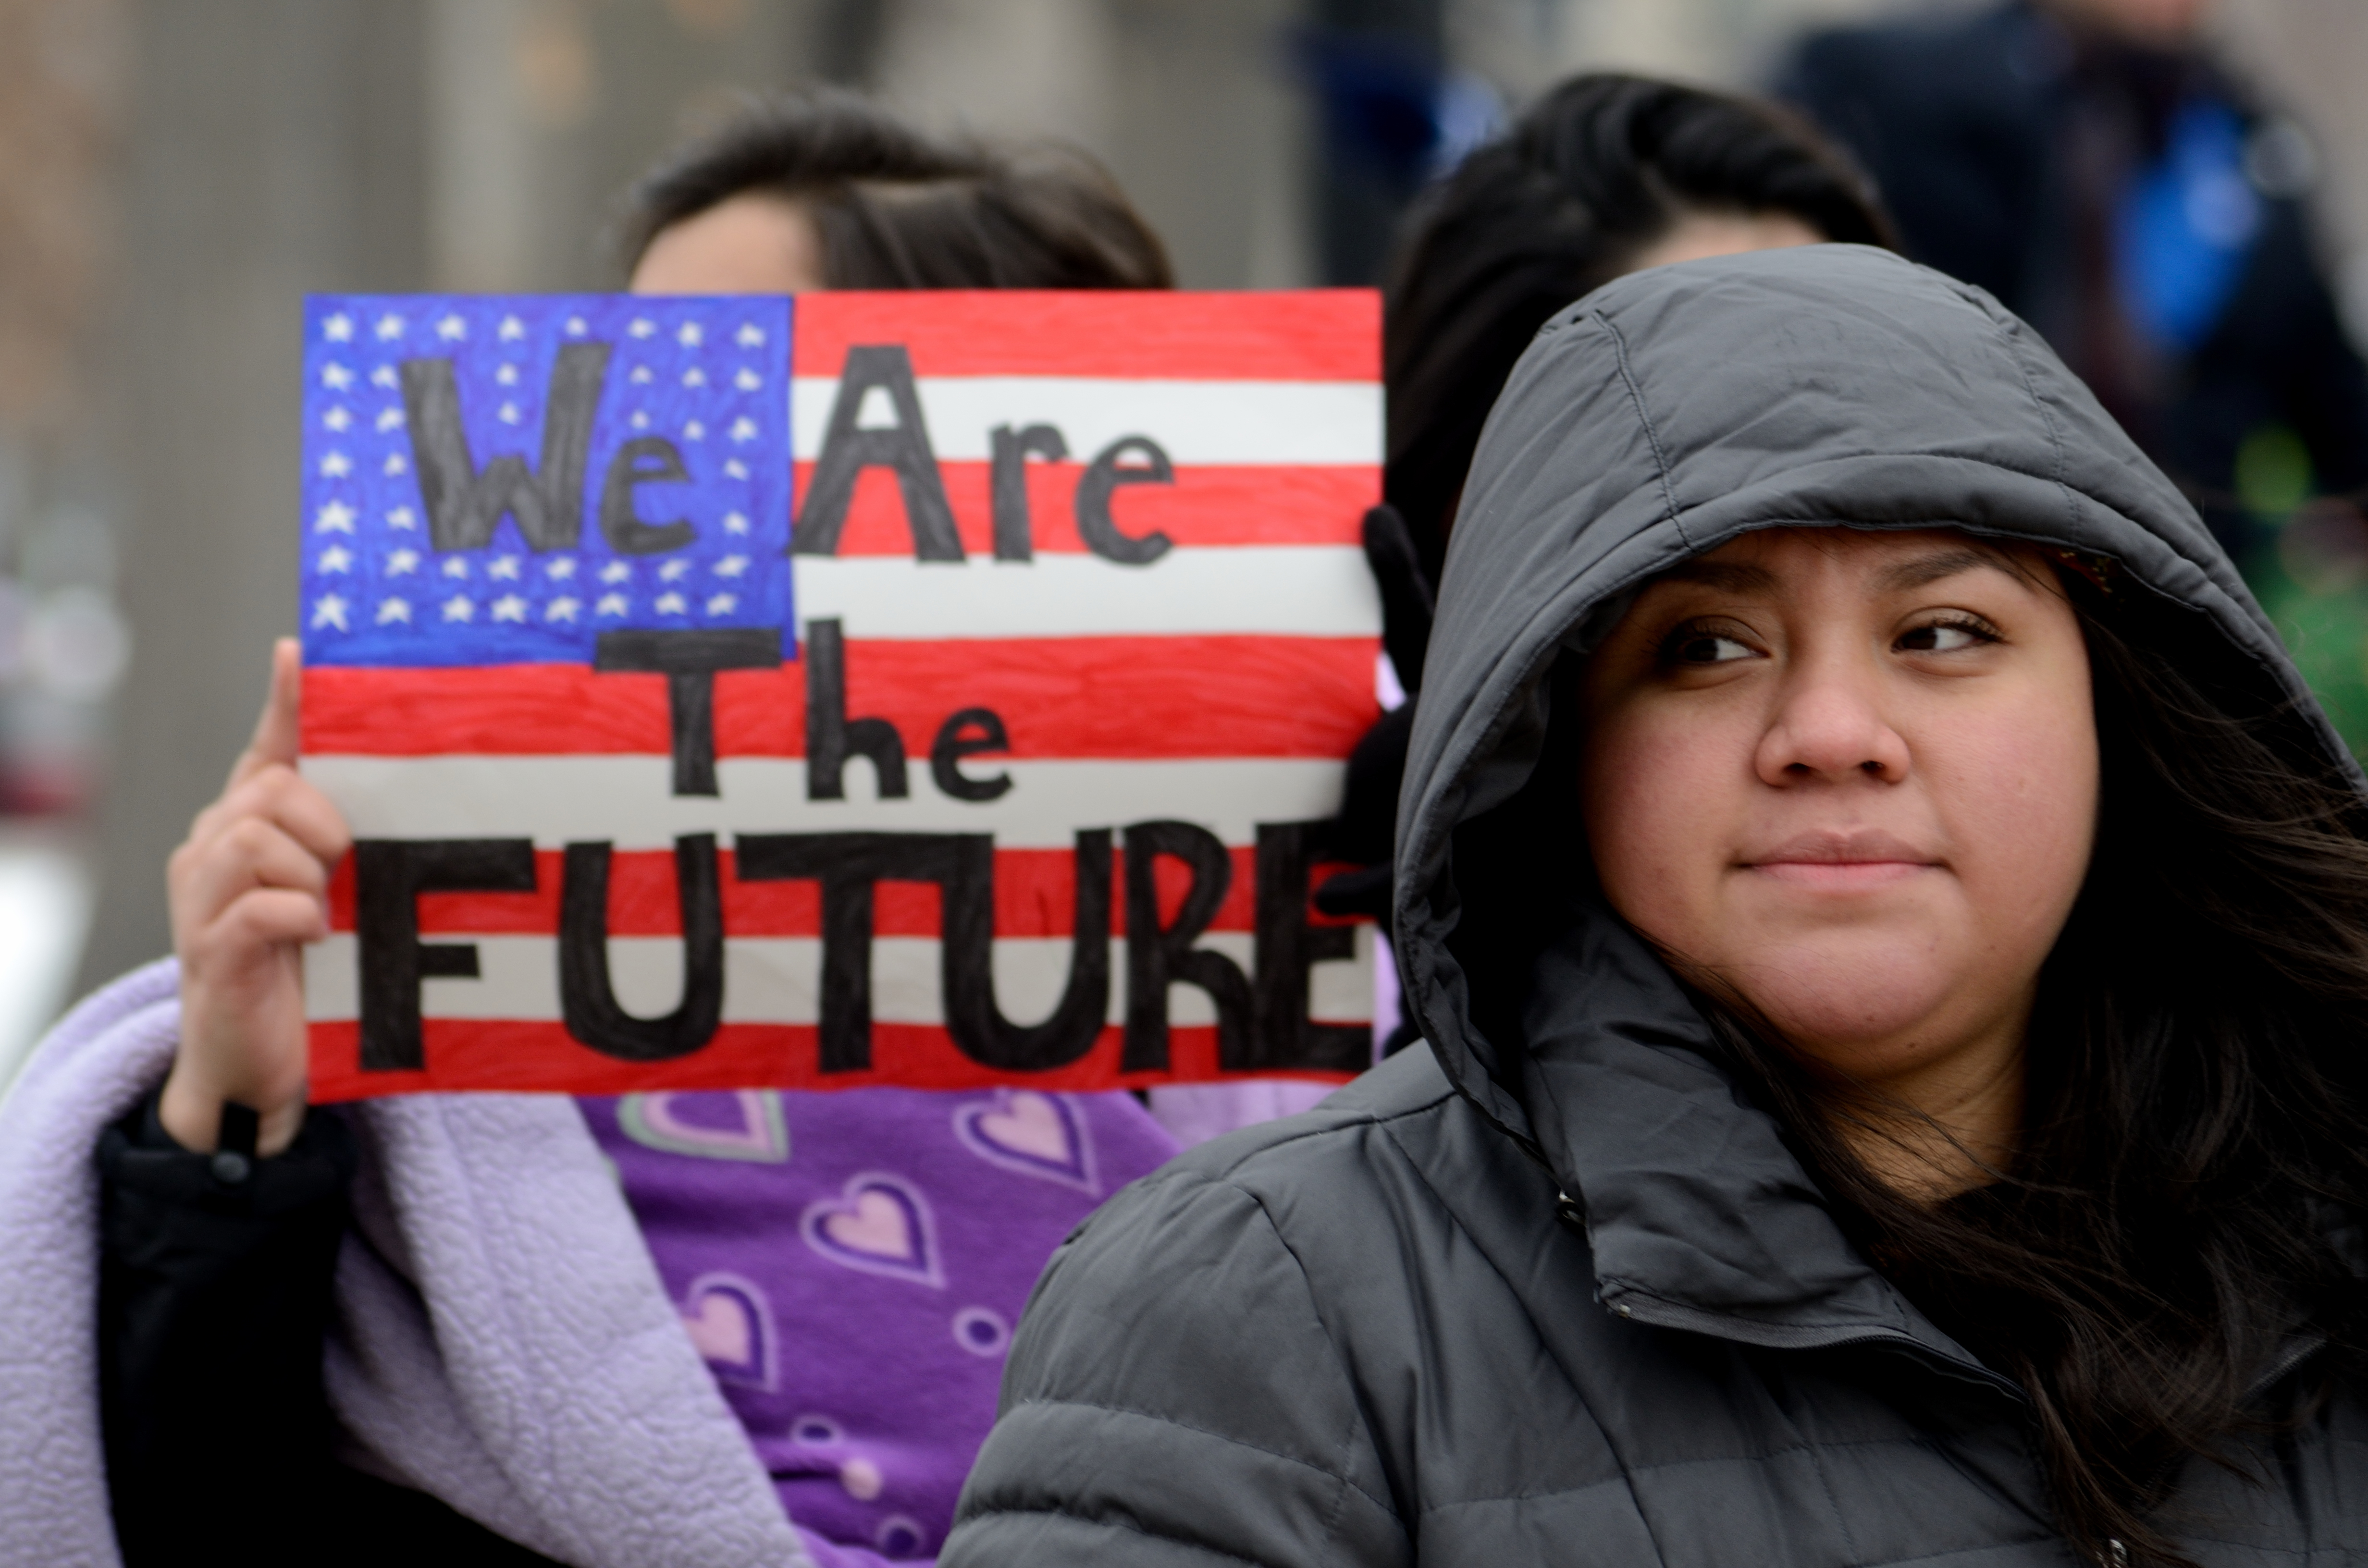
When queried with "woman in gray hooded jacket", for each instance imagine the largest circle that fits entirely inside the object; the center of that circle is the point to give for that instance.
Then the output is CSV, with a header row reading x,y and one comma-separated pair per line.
x,y
1891,930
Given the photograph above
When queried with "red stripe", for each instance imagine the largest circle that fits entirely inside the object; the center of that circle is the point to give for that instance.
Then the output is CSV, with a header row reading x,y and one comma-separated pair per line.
x,y
1206,506
1315,334
1113,698
505,1054
1034,896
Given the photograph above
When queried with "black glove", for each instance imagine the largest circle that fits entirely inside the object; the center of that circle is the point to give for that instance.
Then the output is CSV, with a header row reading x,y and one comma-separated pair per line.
x,y
1365,833
1406,597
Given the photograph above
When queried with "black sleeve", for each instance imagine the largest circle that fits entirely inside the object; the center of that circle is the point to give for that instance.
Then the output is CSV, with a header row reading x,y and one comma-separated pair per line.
x,y
214,1282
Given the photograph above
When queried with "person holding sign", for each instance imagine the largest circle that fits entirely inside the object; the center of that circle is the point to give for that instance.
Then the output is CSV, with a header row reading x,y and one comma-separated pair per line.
x,y
512,1376
1891,929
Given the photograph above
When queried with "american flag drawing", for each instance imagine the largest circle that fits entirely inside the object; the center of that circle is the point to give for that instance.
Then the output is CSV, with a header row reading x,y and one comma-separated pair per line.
x,y
1002,765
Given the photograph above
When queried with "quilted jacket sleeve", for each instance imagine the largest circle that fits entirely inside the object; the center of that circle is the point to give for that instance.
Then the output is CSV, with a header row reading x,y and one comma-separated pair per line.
x,y
1174,1398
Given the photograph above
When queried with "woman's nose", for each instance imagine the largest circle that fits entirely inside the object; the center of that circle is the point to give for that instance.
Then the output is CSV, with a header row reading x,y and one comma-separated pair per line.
x,y
1830,726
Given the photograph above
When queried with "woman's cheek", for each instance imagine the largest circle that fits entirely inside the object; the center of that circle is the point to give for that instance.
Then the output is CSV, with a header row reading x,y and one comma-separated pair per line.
x,y
2021,797
1653,814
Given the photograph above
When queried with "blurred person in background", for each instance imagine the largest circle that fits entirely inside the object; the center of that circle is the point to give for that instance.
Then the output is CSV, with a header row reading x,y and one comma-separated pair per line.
x,y
2087,163
1605,175
512,1374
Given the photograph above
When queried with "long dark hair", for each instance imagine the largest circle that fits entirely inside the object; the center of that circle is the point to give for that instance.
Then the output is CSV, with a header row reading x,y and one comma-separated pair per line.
x,y
897,208
2195,1146
1587,177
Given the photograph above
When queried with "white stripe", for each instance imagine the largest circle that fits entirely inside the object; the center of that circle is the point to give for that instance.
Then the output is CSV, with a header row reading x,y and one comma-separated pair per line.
x,y
1272,590
1296,422
629,799
778,980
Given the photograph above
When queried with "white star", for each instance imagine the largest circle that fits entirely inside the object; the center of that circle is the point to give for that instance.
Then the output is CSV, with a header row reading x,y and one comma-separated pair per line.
x,y
335,466
456,566
731,566
384,376
562,609
329,610
395,463
688,336
400,561
508,413
390,327
559,570
338,328
747,380
694,377
391,610
504,566
403,517
672,571
615,572
749,335
336,518
451,329
694,430
390,419
337,378
611,604
672,604
735,468
643,327
512,329
510,607
336,558
507,376
743,429
458,607
735,523
640,421
336,418
641,376
575,327
722,604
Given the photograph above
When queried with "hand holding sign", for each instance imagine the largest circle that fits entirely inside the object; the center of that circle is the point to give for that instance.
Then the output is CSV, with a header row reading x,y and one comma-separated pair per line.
x,y
248,889
1008,769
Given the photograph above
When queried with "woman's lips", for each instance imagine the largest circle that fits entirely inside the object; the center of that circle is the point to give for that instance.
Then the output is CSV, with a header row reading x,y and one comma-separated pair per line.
x,y
1841,861
1840,875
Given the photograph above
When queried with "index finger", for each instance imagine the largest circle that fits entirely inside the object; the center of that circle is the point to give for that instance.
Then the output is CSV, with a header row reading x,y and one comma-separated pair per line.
x,y
277,732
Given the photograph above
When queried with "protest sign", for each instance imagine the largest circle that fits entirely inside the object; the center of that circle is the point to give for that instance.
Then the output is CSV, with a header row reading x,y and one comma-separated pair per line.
x,y
1004,763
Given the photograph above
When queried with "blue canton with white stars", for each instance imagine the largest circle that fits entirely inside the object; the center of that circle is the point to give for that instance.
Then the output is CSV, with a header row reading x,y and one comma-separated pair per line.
x,y
707,375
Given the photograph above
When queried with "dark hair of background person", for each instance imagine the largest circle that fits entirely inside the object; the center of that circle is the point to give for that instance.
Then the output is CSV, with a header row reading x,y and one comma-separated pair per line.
x,y
896,208
2181,1223
1586,179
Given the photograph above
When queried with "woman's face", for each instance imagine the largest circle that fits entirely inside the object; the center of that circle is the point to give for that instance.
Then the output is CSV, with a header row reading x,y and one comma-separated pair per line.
x,y
1854,775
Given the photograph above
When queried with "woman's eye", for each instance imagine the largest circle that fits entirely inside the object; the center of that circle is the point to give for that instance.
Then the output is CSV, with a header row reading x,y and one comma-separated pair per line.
x,y
1706,648
1946,638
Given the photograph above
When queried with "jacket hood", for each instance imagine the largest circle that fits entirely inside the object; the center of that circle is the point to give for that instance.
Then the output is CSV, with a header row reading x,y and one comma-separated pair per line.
x,y
1657,418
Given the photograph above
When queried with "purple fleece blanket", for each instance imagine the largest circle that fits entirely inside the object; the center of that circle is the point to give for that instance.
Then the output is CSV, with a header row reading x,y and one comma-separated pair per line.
x,y
503,1339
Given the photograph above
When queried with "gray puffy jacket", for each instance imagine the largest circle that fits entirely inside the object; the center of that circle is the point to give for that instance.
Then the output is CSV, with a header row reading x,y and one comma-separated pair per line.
x,y
1551,1292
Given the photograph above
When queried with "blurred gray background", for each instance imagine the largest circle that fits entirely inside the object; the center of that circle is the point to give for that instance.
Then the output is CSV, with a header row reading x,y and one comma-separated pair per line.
x,y
174,175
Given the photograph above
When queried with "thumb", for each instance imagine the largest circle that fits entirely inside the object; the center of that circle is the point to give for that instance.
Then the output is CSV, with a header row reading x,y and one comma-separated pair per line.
x,y
275,732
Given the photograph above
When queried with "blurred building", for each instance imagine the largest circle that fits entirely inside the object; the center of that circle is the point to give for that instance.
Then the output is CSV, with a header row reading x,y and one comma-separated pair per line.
x,y
176,174
63,640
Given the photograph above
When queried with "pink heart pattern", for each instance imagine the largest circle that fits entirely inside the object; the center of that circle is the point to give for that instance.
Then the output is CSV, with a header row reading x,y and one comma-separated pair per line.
x,y
731,1325
879,1224
1034,1133
655,1121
